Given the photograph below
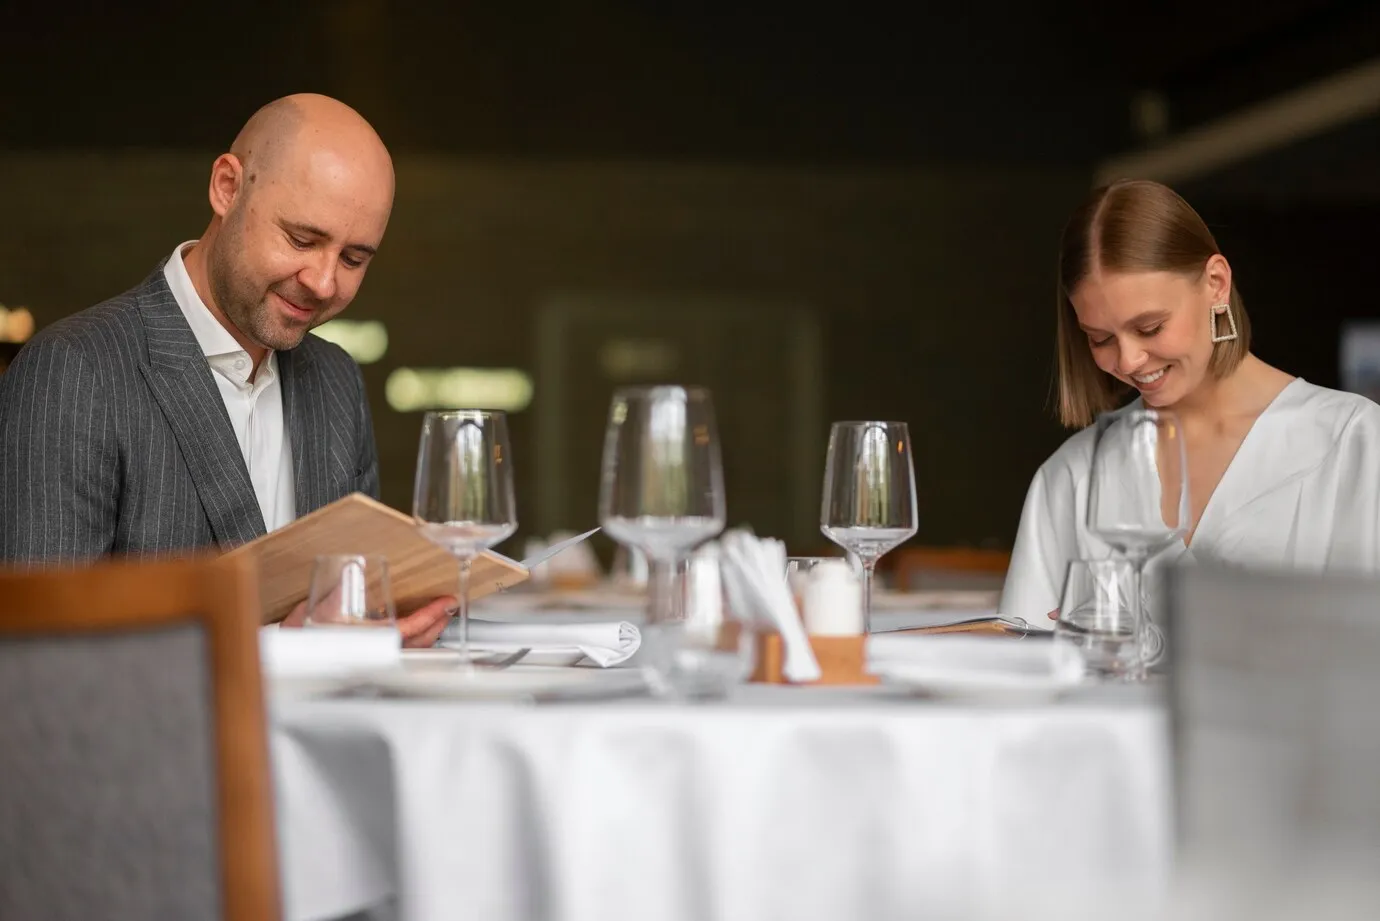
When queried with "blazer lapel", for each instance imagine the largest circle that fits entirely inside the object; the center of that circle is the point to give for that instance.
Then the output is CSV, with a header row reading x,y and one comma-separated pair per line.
x,y
304,408
181,382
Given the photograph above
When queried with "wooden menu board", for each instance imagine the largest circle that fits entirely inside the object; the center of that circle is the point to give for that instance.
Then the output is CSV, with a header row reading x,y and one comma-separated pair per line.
x,y
418,569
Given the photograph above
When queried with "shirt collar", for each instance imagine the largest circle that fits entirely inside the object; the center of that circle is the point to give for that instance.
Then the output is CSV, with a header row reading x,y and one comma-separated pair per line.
x,y
220,348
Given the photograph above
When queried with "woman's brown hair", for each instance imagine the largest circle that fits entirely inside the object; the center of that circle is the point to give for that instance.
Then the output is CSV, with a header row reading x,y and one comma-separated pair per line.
x,y
1129,226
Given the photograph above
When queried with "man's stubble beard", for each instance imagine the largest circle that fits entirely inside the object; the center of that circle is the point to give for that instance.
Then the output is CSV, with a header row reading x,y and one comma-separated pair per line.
x,y
240,298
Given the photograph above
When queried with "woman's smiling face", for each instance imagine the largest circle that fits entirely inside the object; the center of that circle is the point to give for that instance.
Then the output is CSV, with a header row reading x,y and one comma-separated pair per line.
x,y
1152,330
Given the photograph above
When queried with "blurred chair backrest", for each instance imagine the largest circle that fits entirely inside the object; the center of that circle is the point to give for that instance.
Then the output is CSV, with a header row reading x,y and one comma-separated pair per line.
x,y
134,772
950,568
1275,689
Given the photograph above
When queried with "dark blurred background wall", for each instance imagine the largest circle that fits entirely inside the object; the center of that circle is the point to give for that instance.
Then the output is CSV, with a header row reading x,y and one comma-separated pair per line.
x,y
819,214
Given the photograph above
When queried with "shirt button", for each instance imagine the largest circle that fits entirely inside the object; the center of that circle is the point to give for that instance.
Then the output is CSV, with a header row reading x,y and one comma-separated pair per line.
x,y
239,364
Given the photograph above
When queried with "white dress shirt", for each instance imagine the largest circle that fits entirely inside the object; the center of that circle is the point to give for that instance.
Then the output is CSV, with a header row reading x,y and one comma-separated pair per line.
x,y
1301,493
255,407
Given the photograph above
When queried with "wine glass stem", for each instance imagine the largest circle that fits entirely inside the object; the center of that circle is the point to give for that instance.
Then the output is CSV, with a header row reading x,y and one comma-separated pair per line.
x,y
868,568
462,608
1143,625
1152,642
667,589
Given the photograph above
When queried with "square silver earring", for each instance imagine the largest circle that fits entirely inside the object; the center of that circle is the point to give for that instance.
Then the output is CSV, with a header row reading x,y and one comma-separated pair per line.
x,y
1217,311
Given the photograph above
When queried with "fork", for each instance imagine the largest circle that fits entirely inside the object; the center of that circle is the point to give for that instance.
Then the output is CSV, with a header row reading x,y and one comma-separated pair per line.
x,y
502,662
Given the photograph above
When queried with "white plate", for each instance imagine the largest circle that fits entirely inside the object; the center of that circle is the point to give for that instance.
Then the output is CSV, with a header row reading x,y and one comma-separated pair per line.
x,y
553,657
978,668
530,683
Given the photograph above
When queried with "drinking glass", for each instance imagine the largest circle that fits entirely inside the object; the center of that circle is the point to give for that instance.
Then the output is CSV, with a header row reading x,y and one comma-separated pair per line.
x,y
661,492
462,498
1100,618
1138,498
869,494
350,591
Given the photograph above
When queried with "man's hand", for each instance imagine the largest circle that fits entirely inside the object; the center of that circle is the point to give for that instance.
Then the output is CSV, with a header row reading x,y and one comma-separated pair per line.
x,y
423,627
420,629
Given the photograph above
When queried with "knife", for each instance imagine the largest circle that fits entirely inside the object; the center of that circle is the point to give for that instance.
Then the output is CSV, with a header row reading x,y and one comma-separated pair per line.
x,y
533,562
1015,626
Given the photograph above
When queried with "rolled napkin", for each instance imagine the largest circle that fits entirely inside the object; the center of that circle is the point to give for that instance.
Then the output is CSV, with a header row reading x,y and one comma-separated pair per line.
x,y
326,651
603,644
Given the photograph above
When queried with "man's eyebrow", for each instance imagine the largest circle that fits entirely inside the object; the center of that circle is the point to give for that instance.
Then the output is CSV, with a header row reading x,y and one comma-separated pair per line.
x,y
313,230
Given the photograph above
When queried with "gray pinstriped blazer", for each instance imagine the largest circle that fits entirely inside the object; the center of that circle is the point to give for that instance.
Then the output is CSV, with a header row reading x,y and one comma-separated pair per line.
x,y
115,440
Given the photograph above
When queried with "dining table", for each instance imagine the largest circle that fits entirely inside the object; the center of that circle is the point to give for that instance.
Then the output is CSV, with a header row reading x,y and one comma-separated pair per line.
x,y
773,801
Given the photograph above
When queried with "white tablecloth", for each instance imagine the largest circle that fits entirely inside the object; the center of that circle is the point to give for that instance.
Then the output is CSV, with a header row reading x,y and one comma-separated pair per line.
x,y
790,803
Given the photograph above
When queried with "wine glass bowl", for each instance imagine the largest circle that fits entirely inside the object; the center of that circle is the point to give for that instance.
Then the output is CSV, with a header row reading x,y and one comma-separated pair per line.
x,y
1138,497
661,492
869,505
661,489
1138,486
462,497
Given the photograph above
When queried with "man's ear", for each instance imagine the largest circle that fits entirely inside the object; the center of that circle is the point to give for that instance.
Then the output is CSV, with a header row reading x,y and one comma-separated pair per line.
x,y
227,182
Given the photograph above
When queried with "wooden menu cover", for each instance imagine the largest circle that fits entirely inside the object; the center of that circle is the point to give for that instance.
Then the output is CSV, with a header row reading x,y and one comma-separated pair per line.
x,y
419,570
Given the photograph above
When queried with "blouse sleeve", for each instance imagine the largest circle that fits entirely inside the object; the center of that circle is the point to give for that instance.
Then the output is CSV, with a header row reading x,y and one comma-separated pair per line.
x,y
1356,533
1046,542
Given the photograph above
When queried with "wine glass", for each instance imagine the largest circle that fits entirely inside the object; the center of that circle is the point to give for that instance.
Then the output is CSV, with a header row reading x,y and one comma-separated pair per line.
x,y
350,591
869,494
462,498
1138,498
661,492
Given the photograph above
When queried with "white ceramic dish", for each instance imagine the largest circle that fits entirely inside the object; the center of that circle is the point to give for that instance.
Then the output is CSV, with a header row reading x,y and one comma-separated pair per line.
x,y
518,683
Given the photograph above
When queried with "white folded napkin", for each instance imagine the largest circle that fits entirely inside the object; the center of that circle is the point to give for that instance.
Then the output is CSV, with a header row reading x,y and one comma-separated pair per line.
x,y
973,668
950,655
602,644
322,651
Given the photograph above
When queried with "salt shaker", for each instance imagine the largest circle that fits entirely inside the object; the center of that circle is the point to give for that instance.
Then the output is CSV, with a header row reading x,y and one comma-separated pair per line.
x,y
833,600
704,595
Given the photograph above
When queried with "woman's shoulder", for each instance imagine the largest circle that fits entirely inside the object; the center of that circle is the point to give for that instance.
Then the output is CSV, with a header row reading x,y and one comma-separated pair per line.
x,y
1330,412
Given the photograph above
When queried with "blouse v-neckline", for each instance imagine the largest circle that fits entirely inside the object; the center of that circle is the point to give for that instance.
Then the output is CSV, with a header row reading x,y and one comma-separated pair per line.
x,y
1227,483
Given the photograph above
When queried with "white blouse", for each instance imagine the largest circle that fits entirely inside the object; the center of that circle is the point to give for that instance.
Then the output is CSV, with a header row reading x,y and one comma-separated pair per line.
x,y
1303,491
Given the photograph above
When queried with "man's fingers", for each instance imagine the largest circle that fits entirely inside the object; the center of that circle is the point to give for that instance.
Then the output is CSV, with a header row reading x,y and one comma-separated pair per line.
x,y
424,626
297,616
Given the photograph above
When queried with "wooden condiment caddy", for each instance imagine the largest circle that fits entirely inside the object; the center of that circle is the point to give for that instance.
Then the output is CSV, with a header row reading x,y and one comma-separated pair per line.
x,y
842,660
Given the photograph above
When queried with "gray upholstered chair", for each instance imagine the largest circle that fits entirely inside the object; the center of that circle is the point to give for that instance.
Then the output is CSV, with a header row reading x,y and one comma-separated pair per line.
x,y
1275,680
134,775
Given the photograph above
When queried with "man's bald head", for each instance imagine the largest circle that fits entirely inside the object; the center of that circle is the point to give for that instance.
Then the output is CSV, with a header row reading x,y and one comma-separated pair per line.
x,y
301,203
279,130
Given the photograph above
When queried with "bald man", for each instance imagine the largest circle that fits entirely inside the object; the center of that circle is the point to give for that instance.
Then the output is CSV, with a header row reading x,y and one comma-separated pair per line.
x,y
194,410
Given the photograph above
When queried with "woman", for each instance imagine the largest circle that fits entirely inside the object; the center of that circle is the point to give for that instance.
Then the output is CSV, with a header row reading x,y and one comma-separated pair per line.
x,y
1282,473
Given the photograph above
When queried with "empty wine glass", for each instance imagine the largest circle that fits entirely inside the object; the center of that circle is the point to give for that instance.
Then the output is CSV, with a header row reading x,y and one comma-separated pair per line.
x,y
661,491
463,495
1138,498
350,591
869,494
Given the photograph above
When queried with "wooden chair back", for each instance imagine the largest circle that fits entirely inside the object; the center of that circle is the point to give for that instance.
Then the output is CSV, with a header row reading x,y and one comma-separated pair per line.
x,y
133,749
949,568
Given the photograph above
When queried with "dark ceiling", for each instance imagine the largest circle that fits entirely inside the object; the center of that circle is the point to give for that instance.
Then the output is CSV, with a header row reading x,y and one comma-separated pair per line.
x,y
1022,83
